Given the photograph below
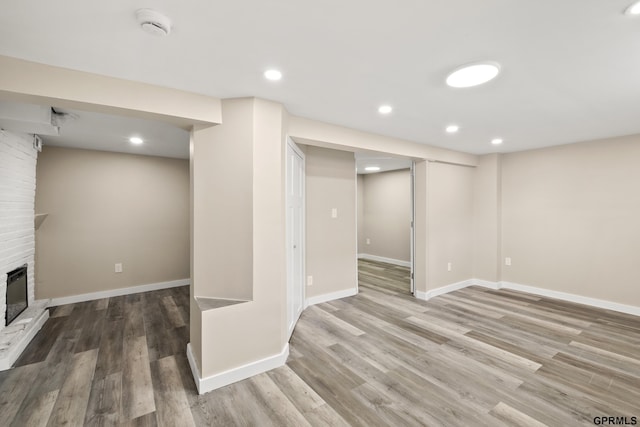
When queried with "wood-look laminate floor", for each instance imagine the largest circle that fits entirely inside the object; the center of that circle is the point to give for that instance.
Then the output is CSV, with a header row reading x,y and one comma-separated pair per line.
x,y
383,276
381,358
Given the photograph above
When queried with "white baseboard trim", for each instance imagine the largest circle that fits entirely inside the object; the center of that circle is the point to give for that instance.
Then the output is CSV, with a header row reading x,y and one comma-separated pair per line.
x,y
240,373
485,284
578,299
385,259
443,290
564,296
330,297
117,292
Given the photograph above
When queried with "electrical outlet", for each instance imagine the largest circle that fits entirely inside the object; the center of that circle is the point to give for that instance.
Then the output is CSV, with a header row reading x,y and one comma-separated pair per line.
x,y
368,241
309,280
448,266
334,213
119,267
507,261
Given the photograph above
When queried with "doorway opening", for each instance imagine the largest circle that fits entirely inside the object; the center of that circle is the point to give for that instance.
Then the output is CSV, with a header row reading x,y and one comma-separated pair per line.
x,y
385,206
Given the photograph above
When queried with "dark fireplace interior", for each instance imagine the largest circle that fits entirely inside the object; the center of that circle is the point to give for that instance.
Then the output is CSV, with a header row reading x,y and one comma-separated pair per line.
x,y
16,293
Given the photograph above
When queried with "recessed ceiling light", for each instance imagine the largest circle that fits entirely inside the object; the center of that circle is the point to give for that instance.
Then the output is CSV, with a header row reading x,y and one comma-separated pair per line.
x,y
497,141
274,75
473,75
372,168
385,109
634,9
452,128
136,140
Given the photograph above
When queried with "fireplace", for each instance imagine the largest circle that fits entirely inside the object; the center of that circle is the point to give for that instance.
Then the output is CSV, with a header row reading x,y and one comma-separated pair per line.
x,y
23,314
16,293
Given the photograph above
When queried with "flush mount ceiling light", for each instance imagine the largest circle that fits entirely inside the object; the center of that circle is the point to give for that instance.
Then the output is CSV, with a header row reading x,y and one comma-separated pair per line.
x,y
497,141
473,74
452,128
385,109
372,168
634,9
153,22
273,75
136,140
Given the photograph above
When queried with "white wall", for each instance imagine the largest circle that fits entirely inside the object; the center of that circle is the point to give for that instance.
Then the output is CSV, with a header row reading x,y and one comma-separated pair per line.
x,y
450,223
17,195
330,242
486,218
106,208
386,215
570,219
227,338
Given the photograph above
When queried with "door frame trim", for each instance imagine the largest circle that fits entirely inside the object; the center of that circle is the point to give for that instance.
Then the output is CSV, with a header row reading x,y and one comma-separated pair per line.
x,y
290,143
412,260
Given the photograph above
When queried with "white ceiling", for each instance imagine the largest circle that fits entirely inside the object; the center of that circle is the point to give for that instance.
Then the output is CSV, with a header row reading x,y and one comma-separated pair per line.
x,y
569,68
96,131
384,161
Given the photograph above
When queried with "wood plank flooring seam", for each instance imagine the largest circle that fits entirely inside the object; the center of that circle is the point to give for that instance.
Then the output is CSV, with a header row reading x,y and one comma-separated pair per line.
x,y
472,357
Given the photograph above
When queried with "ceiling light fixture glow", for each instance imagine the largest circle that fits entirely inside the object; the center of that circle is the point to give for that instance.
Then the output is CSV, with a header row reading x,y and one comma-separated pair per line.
x,y
452,128
273,75
497,141
136,140
473,75
385,109
372,168
634,9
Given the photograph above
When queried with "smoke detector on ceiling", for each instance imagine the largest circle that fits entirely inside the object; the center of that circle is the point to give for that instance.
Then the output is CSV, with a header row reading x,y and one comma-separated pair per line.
x,y
154,22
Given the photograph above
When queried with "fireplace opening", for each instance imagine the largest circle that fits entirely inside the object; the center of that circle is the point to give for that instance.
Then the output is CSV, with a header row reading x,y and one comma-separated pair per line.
x,y
16,293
